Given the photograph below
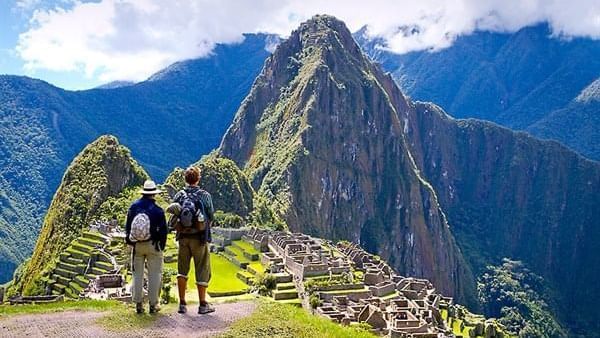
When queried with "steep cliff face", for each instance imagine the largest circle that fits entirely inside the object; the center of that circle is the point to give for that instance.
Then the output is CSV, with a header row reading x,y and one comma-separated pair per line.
x,y
319,136
508,194
103,169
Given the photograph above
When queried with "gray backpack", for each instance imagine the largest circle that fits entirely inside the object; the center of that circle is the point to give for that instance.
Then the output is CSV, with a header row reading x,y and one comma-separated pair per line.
x,y
140,228
192,212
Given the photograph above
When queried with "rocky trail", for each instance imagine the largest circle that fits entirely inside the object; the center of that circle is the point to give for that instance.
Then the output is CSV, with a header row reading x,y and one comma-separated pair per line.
x,y
85,323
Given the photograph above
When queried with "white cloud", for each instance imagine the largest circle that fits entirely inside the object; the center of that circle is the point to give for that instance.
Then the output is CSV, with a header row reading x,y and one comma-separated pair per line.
x,y
26,4
131,39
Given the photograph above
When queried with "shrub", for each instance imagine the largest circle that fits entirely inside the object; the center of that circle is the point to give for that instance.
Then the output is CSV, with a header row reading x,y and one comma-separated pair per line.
x,y
315,301
167,278
265,284
228,220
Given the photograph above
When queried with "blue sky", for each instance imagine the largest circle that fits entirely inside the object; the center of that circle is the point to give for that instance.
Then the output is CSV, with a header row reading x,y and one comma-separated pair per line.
x,y
14,20
77,44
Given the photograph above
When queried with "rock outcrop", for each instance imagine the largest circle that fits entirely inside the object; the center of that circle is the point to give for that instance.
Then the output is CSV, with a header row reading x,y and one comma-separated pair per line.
x,y
319,136
103,169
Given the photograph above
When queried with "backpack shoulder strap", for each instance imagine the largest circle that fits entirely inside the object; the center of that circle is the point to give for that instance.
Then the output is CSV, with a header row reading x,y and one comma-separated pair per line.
x,y
198,201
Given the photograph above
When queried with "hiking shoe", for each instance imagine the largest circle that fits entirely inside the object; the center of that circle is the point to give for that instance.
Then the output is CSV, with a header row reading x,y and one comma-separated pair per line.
x,y
139,308
154,308
205,308
182,308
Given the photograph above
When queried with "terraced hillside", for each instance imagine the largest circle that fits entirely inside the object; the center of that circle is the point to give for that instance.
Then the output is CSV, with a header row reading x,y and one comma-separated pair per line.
x,y
90,255
100,173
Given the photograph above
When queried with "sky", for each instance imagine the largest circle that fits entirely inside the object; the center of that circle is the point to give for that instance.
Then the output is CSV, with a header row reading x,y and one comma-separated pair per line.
x,y
78,44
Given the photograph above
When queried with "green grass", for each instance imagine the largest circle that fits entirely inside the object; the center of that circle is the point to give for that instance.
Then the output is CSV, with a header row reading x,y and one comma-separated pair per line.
x,y
124,318
257,266
223,271
322,277
224,275
391,295
239,254
273,319
249,248
345,292
82,305
456,328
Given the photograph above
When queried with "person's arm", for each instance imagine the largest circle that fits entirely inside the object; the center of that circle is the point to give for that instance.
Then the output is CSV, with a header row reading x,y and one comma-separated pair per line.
x,y
128,226
208,207
163,230
210,214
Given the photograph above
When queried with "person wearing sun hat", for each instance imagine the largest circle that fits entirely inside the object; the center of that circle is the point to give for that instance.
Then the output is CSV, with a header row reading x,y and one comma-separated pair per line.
x,y
146,231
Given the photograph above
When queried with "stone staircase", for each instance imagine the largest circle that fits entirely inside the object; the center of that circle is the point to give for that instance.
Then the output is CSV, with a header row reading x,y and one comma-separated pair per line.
x,y
84,259
285,291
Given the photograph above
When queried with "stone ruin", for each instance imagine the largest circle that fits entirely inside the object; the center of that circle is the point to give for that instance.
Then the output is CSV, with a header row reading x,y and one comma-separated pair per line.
x,y
35,299
110,228
108,286
391,304
299,254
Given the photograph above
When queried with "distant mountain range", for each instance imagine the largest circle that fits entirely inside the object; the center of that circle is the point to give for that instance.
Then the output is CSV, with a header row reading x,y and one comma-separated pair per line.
x,y
527,80
168,120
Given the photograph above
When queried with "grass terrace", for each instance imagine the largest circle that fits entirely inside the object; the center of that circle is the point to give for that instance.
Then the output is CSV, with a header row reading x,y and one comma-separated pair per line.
x,y
277,319
246,246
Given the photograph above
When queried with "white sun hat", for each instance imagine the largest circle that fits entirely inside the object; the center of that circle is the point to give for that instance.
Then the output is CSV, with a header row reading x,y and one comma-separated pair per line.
x,y
150,188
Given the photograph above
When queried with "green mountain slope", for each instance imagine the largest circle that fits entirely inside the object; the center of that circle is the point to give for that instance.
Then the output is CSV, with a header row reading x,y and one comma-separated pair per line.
x,y
330,141
230,190
508,194
320,139
103,169
168,120
576,124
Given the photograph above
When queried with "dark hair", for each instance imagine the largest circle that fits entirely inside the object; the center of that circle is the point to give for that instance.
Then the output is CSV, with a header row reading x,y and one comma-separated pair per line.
x,y
192,175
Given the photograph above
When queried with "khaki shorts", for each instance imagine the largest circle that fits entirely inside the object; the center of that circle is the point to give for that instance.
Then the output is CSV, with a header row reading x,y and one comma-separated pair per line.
x,y
193,248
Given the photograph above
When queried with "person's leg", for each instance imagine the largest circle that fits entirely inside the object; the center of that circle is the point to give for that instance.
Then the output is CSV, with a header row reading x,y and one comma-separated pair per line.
x,y
203,274
155,267
202,293
181,285
183,268
137,291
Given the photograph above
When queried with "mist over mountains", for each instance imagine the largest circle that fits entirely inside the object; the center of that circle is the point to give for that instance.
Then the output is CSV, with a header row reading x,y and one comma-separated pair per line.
x,y
527,80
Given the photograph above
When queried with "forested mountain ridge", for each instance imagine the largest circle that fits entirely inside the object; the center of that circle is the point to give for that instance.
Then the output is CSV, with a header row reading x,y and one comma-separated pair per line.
x,y
102,170
168,120
522,80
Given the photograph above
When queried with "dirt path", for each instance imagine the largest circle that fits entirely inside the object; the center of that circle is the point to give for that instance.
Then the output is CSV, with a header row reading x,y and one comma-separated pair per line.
x,y
83,324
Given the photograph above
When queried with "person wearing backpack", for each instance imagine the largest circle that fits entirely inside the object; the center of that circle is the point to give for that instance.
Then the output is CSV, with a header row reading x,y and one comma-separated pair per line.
x,y
194,210
146,231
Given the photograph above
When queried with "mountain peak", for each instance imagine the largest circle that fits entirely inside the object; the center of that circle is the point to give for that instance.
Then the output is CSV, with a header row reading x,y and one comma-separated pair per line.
x,y
323,33
320,27
320,137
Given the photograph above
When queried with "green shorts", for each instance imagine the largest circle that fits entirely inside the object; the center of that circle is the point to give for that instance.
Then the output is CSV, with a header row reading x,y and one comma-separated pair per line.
x,y
193,248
